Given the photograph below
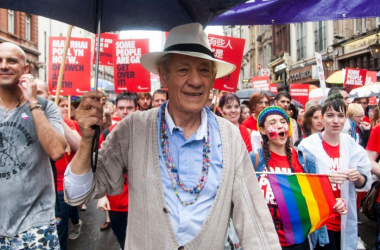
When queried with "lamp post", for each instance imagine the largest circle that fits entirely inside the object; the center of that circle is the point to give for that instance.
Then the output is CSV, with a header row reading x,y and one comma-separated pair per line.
x,y
375,48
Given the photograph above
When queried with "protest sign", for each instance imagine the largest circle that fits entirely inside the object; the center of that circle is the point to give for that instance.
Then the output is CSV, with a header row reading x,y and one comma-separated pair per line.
x,y
371,77
354,78
230,50
107,43
260,82
273,88
77,73
320,71
129,75
299,92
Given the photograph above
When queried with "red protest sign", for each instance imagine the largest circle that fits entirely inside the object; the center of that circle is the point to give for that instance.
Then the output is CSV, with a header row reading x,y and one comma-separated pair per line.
x,y
300,92
371,77
107,43
273,88
260,82
129,75
227,49
354,78
77,73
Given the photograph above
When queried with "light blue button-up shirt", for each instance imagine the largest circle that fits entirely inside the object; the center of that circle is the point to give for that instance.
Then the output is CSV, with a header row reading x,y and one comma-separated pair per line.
x,y
188,158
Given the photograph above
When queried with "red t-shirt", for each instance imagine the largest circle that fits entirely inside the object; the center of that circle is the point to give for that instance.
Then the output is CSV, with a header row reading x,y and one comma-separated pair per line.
x,y
278,164
119,202
334,153
250,123
246,137
374,145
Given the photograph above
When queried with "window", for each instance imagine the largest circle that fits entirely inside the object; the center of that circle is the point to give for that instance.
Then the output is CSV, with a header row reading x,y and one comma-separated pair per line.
x,y
356,26
27,27
377,21
320,37
11,21
301,42
364,25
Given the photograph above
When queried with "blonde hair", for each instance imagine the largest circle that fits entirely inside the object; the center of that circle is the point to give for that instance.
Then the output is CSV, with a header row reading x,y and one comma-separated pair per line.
x,y
354,109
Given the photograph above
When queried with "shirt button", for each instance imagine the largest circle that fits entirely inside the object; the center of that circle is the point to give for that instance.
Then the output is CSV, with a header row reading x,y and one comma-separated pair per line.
x,y
165,210
181,248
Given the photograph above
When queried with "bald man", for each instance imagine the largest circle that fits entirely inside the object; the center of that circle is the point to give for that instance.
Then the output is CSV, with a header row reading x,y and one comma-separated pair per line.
x,y
32,132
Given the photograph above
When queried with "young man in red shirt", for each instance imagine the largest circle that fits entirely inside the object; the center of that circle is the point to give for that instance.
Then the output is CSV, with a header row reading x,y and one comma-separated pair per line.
x,y
117,206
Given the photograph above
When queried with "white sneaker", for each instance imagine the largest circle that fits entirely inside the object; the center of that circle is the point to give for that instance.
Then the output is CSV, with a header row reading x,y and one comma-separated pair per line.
x,y
75,231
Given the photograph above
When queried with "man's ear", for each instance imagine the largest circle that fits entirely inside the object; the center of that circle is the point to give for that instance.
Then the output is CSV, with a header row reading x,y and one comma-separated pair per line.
x,y
262,131
275,102
26,71
162,75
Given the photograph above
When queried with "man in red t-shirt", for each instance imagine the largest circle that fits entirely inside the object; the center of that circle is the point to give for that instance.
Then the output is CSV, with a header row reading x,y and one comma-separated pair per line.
x,y
126,104
373,150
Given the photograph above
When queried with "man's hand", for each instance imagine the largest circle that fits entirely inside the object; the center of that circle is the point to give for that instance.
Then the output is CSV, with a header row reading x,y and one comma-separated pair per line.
x,y
28,87
338,177
89,113
104,204
353,174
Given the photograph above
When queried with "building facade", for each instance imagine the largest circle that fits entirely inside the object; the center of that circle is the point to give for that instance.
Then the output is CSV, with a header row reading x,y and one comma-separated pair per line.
x,y
287,52
22,29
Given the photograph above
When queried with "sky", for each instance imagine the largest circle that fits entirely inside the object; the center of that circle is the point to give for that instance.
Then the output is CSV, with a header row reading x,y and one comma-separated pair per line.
x,y
156,38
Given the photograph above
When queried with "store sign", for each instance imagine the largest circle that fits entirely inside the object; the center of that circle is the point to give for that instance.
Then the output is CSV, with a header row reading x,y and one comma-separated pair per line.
x,y
301,75
280,67
360,44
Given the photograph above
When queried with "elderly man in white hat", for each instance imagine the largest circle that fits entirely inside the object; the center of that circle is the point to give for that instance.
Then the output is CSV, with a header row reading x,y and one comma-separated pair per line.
x,y
188,170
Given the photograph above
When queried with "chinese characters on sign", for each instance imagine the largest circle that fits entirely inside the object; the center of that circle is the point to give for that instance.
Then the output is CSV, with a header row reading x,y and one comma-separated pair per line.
x,y
227,49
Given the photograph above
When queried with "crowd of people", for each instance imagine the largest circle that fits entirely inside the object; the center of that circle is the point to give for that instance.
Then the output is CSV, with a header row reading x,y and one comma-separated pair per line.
x,y
176,169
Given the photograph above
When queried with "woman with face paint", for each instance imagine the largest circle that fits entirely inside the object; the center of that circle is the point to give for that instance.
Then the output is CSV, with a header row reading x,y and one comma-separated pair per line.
x,y
348,166
230,108
278,156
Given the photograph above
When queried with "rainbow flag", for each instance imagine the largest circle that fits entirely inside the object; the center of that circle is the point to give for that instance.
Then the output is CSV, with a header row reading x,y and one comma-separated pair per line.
x,y
305,202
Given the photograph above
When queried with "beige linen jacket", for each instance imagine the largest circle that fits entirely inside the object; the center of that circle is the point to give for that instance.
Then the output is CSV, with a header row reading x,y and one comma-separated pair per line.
x,y
132,148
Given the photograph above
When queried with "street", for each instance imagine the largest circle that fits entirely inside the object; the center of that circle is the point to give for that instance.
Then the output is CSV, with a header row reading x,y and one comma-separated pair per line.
x,y
92,238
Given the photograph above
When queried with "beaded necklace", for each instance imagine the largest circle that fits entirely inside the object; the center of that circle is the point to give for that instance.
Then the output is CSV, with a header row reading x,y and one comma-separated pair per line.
x,y
172,169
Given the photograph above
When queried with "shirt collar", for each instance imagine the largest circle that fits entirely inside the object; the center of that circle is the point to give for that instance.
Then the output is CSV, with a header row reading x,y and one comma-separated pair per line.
x,y
202,130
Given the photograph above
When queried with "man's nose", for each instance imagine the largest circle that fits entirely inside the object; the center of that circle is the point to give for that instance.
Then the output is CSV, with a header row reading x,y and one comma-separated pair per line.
x,y
3,64
194,78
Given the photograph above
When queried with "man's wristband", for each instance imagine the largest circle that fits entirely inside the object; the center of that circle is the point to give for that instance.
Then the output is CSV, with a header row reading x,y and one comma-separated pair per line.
x,y
35,106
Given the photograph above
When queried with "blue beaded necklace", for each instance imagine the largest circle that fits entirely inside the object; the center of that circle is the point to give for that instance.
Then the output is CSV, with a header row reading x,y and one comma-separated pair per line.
x,y
172,169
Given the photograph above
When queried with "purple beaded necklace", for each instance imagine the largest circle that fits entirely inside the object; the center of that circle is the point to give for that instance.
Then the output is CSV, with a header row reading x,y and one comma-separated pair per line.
x,y
172,169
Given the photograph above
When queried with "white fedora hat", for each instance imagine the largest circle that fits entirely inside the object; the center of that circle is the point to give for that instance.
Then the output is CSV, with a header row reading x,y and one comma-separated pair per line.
x,y
189,40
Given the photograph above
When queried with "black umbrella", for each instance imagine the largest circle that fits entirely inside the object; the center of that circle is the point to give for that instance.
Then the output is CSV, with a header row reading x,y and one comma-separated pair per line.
x,y
118,15
112,15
